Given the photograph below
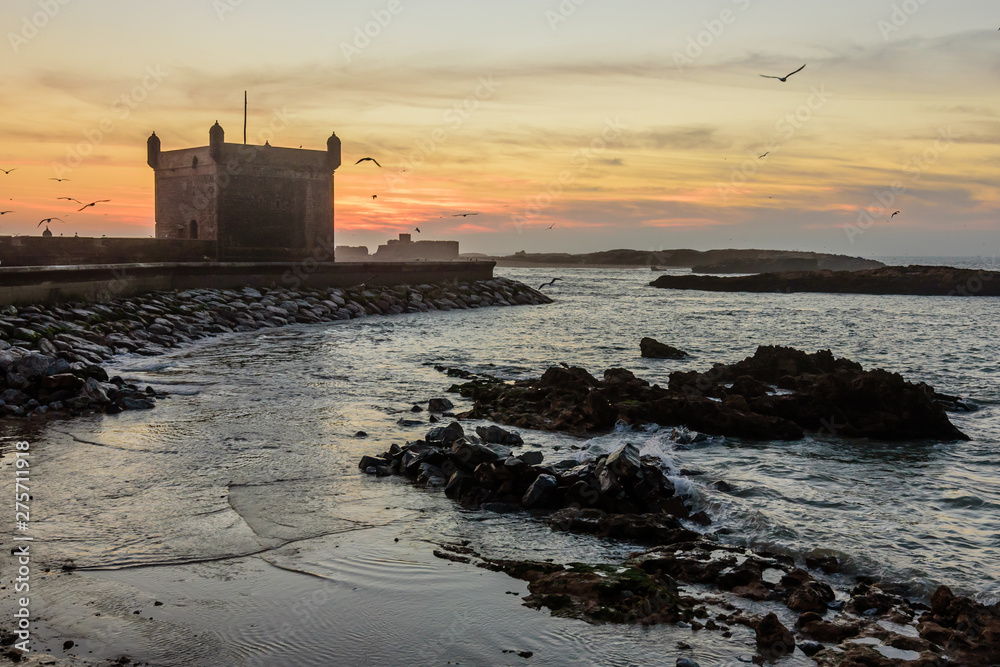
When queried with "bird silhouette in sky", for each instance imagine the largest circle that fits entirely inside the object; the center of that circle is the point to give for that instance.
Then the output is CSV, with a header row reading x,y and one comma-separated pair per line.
x,y
59,179
93,203
418,229
70,199
5,212
551,226
551,282
463,215
783,79
764,155
369,159
374,196
48,220
894,214
7,171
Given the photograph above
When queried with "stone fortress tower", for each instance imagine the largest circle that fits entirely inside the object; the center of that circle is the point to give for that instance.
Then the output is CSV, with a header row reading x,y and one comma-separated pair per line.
x,y
257,202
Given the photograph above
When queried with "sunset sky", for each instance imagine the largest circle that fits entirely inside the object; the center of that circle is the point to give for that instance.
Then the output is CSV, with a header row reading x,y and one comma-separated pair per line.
x,y
634,124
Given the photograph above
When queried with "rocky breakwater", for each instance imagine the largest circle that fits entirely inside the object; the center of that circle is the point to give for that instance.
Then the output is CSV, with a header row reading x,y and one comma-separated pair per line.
x,y
911,280
618,495
51,356
777,394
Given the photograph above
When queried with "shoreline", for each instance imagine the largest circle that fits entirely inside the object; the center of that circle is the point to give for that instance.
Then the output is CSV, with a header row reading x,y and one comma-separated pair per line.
x,y
489,603
53,356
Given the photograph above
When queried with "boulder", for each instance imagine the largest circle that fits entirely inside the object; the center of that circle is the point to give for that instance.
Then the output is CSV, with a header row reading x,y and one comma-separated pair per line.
x,y
812,596
624,461
811,624
773,638
654,349
446,435
495,434
14,397
33,366
439,405
370,463
532,458
62,381
468,454
541,493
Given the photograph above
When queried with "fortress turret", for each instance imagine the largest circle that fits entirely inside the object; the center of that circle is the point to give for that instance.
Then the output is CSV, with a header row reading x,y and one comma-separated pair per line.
x,y
153,151
216,140
333,152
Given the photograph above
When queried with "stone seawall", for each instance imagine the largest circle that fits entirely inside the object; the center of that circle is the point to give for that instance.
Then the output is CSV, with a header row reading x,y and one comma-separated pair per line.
x,y
51,356
39,285
74,250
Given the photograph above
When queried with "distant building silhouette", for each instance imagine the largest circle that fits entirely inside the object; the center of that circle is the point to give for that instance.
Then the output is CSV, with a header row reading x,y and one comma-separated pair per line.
x,y
405,249
252,200
347,253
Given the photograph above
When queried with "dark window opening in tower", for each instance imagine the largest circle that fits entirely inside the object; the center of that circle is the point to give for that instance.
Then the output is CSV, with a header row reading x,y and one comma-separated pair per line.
x,y
194,161
193,230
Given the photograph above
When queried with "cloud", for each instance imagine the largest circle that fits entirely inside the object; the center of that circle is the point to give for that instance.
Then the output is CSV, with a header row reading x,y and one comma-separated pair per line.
x,y
682,138
696,223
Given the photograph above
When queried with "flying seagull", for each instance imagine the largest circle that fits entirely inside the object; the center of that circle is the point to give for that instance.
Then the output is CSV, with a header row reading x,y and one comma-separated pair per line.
x,y
374,196
70,199
48,220
463,215
5,212
894,214
93,203
369,159
764,155
552,225
551,282
418,230
59,179
783,79
7,171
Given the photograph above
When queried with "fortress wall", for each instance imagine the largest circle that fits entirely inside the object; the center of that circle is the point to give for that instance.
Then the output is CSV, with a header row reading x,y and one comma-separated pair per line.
x,y
72,250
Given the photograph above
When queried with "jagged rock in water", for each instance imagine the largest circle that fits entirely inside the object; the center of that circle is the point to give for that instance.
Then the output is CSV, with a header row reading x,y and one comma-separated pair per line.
x,y
651,348
823,394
